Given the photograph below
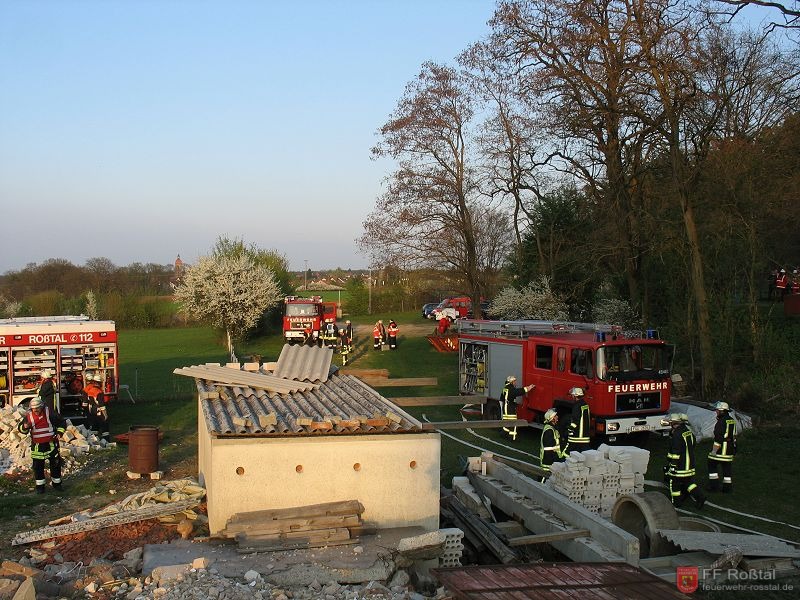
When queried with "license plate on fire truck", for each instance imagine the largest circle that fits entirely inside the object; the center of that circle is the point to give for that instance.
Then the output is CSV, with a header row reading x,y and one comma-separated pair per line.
x,y
635,428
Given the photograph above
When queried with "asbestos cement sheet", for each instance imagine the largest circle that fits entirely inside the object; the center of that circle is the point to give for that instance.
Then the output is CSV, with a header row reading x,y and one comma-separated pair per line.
x,y
716,543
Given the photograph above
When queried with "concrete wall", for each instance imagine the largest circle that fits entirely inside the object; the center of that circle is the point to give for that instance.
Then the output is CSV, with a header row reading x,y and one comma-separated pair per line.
x,y
203,446
395,477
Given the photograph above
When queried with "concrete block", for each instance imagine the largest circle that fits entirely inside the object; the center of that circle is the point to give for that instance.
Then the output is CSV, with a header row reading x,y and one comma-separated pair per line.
x,y
592,458
598,469
132,475
156,474
168,573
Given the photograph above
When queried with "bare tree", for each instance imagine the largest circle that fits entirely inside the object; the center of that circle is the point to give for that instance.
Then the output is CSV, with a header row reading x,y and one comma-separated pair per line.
x,y
789,11
580,61
433,214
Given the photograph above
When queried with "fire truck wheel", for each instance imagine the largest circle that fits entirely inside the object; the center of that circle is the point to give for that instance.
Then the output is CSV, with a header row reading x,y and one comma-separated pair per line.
x,y
493,412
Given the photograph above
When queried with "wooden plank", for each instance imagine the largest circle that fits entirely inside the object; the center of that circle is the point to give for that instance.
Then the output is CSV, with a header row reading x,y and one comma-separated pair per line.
x,y
365,372
291,545
546,538
295,524
481,529
400,381
474,424
317,535
438,400
345,507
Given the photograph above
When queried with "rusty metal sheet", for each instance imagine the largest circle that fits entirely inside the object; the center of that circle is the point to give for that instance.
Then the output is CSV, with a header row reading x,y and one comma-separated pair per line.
x,y
555,581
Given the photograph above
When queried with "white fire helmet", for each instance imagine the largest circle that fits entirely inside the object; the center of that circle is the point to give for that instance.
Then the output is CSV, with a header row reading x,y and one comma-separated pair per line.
x,y
576,392
550,415
46,373
37,403
97,378
511,379
721,406
674,418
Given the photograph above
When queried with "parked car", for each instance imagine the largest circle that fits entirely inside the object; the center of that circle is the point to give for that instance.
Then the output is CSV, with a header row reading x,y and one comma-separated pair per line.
x,y
428,308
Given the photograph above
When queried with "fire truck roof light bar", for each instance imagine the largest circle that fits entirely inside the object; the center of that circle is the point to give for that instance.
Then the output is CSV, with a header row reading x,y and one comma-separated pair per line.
x,y
43,320
522,328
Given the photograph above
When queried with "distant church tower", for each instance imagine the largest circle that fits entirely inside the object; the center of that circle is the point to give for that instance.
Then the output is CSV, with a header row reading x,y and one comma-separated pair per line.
x,y
178,265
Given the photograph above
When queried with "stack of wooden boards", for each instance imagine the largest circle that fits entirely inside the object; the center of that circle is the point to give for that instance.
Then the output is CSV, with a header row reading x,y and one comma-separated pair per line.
x,y
327,524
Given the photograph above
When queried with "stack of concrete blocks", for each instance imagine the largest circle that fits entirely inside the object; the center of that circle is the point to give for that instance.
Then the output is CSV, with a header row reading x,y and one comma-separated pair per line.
x,y
596,478
570,477
453,547
15,447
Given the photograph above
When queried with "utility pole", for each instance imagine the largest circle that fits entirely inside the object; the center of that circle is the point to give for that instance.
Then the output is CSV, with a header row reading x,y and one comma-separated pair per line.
x,y
369,287
305,278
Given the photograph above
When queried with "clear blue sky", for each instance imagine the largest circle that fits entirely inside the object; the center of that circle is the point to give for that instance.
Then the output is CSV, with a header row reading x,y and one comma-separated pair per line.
x,y
139,129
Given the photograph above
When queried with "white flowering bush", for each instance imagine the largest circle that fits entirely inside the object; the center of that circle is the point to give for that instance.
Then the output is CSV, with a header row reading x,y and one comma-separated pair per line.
x,y
230,292
616,312
534,301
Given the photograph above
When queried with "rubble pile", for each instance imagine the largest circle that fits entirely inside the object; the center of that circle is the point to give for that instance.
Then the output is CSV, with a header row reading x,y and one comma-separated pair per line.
x,y
15,448
596,478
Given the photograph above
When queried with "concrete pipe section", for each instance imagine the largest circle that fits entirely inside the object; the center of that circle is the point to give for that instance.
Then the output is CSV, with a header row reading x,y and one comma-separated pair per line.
x,y
643,515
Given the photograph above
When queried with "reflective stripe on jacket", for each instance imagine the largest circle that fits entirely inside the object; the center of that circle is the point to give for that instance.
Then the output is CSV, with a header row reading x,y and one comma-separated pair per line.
x,y
579,425
681,453
724,439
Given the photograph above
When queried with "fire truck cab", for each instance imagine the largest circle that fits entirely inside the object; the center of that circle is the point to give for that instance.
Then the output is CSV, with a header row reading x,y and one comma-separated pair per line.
x,y
625,377
304,319
72,348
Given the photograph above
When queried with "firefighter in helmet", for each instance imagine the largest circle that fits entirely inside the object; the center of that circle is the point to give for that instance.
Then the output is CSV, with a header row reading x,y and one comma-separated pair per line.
x,y
94,404
720,459
378,335
44,426
344,344
392,332
578,429
47,390
680,469
509,400
550,443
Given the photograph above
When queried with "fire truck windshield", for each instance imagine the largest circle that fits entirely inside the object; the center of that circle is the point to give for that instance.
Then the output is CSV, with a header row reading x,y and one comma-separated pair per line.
x,y
302,310
633,361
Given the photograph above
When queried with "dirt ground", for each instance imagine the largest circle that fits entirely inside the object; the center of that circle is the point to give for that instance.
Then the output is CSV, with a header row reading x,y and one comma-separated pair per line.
x,y
104,469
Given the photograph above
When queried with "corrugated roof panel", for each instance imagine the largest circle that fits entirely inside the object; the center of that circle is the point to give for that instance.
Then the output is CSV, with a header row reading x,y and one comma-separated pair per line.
x,y
716,543
554,581
304,363
228,376
341,405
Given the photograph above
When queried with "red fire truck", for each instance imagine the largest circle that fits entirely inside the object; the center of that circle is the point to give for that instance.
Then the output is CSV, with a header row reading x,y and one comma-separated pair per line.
x,y
304,318
625,377
73,348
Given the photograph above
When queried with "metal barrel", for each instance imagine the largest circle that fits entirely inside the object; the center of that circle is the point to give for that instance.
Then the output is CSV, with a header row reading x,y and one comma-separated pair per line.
x,y
143,449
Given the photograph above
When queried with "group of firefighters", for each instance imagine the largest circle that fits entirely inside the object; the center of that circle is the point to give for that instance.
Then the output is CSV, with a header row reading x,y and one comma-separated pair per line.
x,y
385,335
680,471
781,284
44,423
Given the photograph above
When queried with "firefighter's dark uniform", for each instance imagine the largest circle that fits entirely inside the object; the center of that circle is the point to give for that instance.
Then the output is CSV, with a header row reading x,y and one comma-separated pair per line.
x,y
722,452
44,429
47,392
549,448
96,411
578,430
681,469
508,398
344,345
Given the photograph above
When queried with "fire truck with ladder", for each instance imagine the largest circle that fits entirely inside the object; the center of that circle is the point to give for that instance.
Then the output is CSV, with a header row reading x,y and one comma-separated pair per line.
x,y
72,348
305,318
626,377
